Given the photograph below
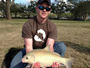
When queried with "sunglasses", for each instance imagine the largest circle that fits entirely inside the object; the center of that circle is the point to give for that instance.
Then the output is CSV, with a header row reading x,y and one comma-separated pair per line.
x,y
42,8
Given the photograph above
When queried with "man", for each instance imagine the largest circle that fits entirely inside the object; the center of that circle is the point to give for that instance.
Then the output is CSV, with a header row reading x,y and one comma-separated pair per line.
x,y
39,32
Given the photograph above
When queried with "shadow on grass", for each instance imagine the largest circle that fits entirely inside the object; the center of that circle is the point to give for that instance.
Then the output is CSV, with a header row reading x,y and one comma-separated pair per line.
x,y
77,47
13,51
9,56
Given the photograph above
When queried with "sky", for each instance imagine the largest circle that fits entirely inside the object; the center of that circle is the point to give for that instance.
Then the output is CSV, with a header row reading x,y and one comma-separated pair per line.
x,y
27,1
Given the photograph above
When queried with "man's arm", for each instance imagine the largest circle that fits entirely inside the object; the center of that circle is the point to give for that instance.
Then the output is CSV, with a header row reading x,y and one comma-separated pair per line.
x,y
28,44
51,43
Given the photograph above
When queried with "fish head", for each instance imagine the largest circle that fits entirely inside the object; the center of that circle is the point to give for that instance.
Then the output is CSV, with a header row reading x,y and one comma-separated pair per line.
x,y
28,59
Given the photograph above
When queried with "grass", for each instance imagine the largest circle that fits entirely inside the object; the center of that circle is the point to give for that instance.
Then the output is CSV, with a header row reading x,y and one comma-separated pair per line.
x,y
75,34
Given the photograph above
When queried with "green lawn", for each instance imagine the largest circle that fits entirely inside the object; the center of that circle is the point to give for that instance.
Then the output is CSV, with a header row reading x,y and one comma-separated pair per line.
x,y
75,34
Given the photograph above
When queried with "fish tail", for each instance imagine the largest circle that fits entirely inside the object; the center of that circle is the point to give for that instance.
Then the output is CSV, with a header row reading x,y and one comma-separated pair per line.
x,y
67,62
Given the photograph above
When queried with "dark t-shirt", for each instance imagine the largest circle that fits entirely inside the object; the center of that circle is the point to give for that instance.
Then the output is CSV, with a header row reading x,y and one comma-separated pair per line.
x,y
39,32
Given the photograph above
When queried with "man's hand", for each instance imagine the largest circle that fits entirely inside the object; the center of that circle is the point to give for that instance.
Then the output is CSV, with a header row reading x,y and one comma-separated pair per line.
x,y
36,65
55,65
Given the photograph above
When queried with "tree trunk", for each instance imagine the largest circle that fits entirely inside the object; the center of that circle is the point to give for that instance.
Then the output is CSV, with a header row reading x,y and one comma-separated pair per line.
x,y
8,14
15,14
7,4
86,17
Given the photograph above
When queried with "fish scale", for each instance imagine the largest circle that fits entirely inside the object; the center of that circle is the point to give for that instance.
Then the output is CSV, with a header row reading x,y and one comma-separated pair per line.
x,y
46,58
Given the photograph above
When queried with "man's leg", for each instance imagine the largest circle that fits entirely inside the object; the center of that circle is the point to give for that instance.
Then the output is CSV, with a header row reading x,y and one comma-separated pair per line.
x,y
16,62
60,48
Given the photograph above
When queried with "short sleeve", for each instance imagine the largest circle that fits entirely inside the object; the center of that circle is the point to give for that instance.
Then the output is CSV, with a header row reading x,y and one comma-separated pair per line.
x,y
27,30
53,32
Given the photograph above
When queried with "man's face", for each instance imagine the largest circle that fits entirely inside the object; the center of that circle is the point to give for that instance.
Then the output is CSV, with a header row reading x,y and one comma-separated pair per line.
x,y
43,13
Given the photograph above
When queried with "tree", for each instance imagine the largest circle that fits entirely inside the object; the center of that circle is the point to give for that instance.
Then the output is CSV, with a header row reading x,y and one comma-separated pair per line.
x,y
53,8
1,6
32,6
14,9
30,10
17,9
82,10
7,5
61,8
76,1
2,9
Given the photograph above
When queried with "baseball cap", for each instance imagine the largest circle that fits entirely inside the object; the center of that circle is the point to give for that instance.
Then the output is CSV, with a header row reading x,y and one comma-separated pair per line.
x,y
48,1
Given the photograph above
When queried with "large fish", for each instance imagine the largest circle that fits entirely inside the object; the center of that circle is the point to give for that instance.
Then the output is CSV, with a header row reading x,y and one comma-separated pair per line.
x,y
46,58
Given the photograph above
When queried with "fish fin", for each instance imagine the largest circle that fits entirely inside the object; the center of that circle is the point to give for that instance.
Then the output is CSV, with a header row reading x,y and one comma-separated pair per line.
x,y
42,66
28,66
68,62
47,48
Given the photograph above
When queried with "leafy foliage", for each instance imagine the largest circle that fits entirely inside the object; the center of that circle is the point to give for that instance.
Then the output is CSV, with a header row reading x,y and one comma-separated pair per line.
x,y
82,10
1,6
17,9
79,8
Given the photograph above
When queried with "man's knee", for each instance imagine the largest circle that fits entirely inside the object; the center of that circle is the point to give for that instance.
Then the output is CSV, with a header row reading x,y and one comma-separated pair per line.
x,y
16,61
60,48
